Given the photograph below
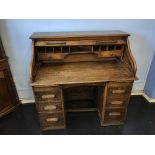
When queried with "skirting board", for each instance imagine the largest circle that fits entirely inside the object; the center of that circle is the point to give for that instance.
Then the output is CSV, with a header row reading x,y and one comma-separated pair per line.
x,y
150,100
25,101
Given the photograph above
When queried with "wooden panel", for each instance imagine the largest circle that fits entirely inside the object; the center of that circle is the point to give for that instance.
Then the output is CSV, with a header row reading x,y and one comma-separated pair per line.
x,y
50,43
50,56
48,89
96,42
2,52
83,57
1,74
61,56
101,99
129,59
84,72
4,94
111,42
108,54
79,93
8,100
68,57
8,94
65,43
81,42
3,64
119,84
82,110
77,34
34,63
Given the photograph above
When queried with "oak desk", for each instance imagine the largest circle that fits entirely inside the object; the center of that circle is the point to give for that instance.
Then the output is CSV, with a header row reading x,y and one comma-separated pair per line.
x,y
71,66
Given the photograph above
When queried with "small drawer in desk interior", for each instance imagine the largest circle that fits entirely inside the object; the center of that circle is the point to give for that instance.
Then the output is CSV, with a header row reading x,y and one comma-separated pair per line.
x,y
47,93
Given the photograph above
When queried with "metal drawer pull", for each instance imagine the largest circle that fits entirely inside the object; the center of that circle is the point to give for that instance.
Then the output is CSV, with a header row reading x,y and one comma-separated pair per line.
x,y
50,107
117,102
118,91
114,114
55,119
48,96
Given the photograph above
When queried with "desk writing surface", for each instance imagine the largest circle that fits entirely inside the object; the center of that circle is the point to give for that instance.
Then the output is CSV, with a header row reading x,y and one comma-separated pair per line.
x,y
81,72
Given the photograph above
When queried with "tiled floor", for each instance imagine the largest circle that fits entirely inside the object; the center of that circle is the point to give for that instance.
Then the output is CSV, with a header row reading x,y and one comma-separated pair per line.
x,y
140,121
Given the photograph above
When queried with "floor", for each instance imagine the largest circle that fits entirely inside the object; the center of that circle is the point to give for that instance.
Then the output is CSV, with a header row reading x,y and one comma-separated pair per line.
x,y
140,121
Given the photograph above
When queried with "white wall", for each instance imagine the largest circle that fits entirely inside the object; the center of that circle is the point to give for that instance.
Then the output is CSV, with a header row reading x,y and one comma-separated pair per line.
x,y
15,36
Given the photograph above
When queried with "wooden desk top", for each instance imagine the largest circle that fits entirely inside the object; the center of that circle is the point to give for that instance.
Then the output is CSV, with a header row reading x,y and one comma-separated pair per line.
x,y
76,34
82,72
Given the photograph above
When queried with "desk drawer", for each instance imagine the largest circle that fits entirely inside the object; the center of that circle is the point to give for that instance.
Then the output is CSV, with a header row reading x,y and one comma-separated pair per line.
x,y
114,115
119,89
49,106
48,93
117,102
52,120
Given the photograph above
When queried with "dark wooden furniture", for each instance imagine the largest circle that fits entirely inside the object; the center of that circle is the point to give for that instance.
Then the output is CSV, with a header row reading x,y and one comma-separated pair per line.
x,y
8,95
72,66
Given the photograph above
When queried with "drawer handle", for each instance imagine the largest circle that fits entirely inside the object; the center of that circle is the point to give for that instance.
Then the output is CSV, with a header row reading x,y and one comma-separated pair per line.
x,y
114,114
48,96
56,43
50,107
55,119
117,102
118,91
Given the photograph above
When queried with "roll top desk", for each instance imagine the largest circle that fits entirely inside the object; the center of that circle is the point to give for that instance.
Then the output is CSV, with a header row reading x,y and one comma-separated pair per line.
x,y
73,66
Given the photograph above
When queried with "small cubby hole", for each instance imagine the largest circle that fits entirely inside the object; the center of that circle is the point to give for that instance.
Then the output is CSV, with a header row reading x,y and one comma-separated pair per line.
x,y
74,49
